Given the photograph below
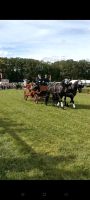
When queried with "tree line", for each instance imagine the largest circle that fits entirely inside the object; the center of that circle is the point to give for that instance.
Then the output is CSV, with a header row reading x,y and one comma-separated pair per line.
x,y
18,69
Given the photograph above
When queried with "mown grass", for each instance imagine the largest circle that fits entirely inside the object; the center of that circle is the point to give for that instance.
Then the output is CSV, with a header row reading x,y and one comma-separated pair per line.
x,y
39,142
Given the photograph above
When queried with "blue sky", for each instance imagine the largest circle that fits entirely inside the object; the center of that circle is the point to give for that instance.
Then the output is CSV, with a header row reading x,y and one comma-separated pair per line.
x,y
47,40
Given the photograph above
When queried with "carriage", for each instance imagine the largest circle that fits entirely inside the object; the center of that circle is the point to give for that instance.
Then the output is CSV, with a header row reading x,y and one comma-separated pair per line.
x,y
35,94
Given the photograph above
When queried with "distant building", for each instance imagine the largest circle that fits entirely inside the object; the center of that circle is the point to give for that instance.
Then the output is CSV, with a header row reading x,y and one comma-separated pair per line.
x,y
4,81
85,82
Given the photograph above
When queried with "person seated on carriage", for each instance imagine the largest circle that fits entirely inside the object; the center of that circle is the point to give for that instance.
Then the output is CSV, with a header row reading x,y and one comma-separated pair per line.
x,y
38,82
45,80
38,79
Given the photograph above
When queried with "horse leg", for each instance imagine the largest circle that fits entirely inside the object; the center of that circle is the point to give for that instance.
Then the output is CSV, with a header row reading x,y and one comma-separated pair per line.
x,y
73,104
62,105
54,99
58,101
72,101
71,96
47,98
65,101
36,98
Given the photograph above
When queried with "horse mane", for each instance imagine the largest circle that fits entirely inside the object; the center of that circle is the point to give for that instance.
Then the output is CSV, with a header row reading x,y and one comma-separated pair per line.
x,y
75,83
74,87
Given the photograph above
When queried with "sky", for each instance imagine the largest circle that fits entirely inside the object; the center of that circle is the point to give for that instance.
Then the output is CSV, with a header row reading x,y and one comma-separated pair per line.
x,y
47,40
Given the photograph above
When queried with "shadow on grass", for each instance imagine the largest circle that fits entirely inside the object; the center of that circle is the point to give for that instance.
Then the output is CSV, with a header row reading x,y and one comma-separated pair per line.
x,y
82,106
78,106
43,166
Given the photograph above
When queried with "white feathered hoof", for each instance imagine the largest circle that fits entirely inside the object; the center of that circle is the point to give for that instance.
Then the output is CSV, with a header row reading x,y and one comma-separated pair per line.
x,y
58,104
62,105
74,105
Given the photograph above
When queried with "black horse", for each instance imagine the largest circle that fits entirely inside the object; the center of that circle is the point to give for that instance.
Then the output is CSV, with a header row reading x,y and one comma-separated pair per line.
x,y
71,91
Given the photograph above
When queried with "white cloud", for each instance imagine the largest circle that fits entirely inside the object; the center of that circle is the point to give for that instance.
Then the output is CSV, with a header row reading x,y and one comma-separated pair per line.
x,y
3,53
49,39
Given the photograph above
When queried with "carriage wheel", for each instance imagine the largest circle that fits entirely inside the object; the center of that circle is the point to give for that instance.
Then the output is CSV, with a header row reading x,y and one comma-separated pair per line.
x,y
36,98
25,97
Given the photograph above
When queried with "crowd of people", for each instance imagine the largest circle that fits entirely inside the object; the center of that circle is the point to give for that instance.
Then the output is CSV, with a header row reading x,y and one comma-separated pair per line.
x,y
4,86
39,80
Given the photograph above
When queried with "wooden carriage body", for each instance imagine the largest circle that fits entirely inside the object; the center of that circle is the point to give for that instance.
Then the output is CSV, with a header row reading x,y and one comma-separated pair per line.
x,y
34,94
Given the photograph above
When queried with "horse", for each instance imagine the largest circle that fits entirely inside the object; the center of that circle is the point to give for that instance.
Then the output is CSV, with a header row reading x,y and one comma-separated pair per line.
x,y
71,91
57,90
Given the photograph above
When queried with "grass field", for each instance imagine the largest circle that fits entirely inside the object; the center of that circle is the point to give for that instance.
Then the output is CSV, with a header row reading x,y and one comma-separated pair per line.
x,y
43,142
